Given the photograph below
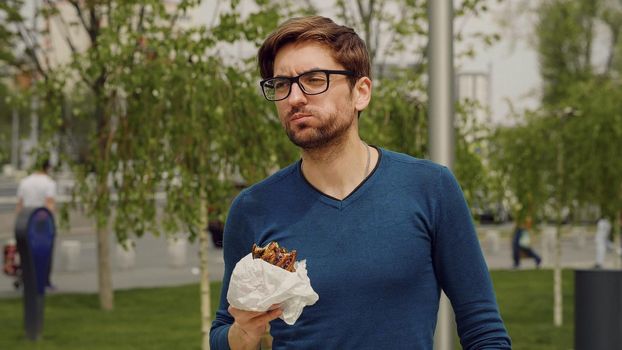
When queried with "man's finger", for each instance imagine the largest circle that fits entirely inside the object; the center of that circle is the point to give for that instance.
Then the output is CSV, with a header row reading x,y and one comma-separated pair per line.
x,y
271,315
252,315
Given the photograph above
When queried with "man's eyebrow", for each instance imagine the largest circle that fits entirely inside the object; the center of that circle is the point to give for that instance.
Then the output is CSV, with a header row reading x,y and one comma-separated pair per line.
x,y
289,76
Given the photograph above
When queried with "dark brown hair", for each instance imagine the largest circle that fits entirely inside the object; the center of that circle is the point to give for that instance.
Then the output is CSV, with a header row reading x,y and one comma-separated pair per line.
x,y
347,48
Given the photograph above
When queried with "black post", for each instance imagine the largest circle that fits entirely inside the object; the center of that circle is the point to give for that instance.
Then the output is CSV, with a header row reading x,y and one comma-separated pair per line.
x,y
598,309
34,233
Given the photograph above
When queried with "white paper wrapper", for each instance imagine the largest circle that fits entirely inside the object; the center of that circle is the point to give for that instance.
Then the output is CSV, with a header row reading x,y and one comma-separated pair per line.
x,y
256,285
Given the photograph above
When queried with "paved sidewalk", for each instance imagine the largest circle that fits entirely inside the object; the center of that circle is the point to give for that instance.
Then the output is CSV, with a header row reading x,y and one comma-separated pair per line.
x,y
152,266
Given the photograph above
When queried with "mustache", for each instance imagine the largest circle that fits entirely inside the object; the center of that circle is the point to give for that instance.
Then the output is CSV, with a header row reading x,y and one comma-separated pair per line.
x,y
296,110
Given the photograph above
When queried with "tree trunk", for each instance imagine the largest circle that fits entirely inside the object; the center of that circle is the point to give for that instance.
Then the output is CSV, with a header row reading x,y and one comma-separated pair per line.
x,y
206,310
104,144
557,273
557,280
104,274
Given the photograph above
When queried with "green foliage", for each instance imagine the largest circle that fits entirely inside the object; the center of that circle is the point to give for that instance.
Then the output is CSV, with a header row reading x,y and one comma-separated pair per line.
x,y
563,154
156,112
594,141
524,161
387,33
396,118
155,109
471,168
9,13
565,36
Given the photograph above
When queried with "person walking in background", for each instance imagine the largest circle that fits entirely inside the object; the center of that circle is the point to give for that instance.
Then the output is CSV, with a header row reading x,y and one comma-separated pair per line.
x,y
381,232
37,189
603,244
521,243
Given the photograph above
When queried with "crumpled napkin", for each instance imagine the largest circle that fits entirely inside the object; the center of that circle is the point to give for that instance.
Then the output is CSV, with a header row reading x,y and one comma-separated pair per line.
x,y
256,285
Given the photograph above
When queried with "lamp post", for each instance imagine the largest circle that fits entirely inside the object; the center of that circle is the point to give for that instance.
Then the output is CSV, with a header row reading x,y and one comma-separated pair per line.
x,y
564,115
441,121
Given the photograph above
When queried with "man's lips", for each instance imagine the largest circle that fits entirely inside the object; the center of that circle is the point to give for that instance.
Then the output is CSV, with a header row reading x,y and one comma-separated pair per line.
x,y
297,116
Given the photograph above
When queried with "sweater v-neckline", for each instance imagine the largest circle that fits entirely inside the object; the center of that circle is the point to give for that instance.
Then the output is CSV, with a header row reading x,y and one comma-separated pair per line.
x,y
352,196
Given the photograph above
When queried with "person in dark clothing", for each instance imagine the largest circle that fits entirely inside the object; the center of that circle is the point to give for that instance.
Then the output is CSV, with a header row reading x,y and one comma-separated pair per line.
x,y
521,244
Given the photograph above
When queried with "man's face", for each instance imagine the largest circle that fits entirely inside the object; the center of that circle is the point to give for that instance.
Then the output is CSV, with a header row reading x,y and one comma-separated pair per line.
x,y
314,121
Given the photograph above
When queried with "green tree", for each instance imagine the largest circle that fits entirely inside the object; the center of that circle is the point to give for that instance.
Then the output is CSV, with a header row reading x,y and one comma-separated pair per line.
x,y
572,80
575,135
159,113
564,41
519,159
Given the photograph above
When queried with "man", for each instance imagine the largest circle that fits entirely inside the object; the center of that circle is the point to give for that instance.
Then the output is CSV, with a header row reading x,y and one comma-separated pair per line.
x,y
381,232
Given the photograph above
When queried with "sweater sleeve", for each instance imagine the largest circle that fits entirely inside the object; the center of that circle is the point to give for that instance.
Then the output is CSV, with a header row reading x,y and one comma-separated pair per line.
x,y
462,272
237,242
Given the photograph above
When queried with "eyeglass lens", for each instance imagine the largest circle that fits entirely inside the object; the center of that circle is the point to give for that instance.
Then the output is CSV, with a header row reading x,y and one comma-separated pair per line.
x,y
279,88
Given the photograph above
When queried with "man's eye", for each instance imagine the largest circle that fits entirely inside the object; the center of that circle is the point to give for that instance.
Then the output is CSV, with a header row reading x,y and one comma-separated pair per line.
x,y
282,84
315,80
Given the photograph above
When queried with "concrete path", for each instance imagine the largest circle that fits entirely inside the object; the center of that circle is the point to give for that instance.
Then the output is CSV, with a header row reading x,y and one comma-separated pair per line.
x,y
151,265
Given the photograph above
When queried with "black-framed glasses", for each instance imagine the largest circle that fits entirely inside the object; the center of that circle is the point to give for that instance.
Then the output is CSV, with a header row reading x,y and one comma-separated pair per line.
x,y
313,82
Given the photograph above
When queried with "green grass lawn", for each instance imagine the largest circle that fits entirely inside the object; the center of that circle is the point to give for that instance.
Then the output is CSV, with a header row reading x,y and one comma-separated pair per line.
x,y
159,318
168,318
526,302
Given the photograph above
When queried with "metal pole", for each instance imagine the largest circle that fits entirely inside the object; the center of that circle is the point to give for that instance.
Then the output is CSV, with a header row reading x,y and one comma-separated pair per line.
x,y
440,119
441,82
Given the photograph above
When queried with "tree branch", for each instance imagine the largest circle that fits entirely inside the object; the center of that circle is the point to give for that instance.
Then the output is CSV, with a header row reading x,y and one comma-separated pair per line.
x,y
79,13
65,32
108,11
366,18
347,13
377,30
31,48
141,18
94,19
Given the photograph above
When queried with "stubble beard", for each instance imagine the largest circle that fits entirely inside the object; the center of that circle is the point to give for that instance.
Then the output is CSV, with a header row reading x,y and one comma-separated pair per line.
x,y
331,132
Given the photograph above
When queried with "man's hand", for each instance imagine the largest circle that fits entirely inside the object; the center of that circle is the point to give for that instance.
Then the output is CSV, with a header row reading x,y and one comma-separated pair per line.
x,y
249,326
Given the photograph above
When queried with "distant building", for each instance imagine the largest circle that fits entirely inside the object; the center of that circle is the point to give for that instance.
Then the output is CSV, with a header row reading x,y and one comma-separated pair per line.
x,y
474,88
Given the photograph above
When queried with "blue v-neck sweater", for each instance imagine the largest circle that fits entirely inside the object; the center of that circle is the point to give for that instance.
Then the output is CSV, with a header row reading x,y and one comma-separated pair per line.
x,y
377,259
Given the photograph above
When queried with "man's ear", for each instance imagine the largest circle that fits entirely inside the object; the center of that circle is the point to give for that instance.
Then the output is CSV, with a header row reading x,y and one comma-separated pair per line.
x,y
362,93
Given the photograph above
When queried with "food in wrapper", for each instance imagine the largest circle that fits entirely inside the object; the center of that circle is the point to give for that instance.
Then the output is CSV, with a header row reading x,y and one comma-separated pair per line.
x,y
257,284
276,255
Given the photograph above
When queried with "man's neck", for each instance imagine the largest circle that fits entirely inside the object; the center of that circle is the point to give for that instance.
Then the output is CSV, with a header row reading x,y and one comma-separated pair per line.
x,y
336,170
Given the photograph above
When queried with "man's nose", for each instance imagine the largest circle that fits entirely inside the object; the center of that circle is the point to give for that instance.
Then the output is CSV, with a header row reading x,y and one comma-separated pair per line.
x,y
296,96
